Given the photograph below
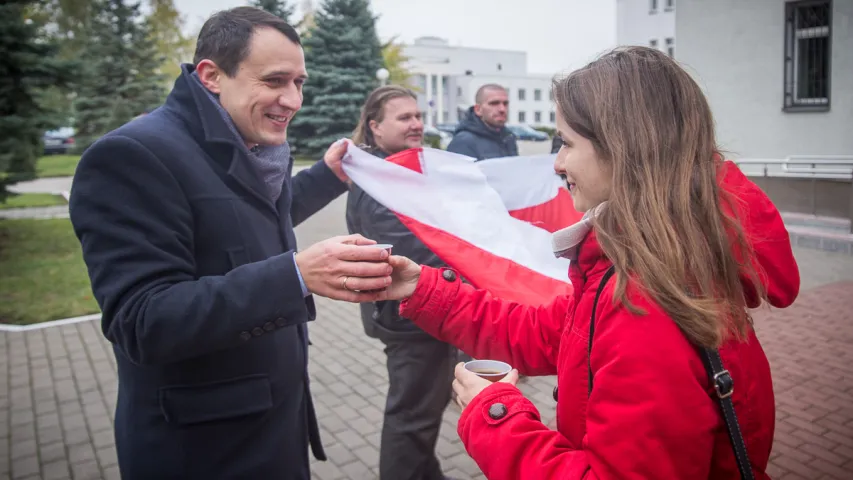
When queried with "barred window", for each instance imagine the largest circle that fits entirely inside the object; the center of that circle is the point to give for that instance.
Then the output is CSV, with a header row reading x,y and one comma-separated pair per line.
x,y
808,39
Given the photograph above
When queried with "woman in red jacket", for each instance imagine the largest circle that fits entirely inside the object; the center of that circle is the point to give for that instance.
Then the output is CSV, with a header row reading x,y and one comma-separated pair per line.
x,y
693,244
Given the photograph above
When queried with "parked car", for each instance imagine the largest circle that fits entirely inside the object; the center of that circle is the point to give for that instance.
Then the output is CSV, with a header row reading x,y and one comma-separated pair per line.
x,y
525,132
449,128
58,141
436,138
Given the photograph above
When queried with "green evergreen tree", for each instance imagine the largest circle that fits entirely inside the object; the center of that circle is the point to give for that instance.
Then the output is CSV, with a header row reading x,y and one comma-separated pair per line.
x,y
342,55
29,65
122,76
280,8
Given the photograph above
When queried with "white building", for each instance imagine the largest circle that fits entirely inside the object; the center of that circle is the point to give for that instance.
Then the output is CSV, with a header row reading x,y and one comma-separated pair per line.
x,y
646,22
447,77
778,74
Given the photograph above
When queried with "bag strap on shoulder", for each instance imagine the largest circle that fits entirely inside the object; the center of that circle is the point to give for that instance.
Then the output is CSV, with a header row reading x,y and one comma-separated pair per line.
x,y
720,378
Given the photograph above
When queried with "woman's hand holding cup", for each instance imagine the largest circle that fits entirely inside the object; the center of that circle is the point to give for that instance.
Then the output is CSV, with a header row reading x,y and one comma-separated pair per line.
x,y
404,278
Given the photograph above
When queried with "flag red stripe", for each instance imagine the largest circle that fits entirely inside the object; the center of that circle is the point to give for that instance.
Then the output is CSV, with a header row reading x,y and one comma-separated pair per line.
x,y
553,215
500,276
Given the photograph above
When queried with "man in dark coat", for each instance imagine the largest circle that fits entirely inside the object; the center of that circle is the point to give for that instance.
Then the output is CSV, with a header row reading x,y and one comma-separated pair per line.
x,y
482,133
186,217
420,368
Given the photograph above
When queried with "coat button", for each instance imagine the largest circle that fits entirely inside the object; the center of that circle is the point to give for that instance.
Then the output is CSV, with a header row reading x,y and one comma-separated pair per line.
x,y
269,326
555,394
449,275
280,322
245,336
497,411
375,315
257,331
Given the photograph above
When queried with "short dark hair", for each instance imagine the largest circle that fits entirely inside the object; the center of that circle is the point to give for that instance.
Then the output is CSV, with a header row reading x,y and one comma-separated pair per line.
x,y
225,37
481,92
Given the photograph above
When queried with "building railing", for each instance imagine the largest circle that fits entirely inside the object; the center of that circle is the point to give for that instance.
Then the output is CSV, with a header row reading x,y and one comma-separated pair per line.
x,y
839,167
814,167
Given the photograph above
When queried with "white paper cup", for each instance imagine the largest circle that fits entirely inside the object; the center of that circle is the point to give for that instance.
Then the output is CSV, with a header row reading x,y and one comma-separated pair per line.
x,y
386,246
491,370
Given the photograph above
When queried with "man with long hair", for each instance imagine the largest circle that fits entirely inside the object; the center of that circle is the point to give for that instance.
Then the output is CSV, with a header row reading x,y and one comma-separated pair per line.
x,y
420,368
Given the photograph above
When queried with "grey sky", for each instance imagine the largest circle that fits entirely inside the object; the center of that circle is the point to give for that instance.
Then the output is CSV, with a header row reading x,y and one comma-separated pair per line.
x,y
558,35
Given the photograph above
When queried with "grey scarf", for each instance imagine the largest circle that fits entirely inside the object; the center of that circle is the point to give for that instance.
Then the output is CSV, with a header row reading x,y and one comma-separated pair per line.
x,y
270,162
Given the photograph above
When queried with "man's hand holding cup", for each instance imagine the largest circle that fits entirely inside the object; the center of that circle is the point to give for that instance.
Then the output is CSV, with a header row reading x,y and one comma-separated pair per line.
x,y
341,268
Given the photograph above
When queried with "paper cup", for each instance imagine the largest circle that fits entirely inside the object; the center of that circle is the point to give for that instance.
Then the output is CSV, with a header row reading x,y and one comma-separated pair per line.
x,y
491,370
386,246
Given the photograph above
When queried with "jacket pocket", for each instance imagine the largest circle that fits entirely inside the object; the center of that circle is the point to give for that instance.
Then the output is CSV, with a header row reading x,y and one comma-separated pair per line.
x,y
209,402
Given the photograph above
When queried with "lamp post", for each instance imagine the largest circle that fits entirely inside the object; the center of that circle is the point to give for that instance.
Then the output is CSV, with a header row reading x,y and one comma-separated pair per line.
x,y
382,75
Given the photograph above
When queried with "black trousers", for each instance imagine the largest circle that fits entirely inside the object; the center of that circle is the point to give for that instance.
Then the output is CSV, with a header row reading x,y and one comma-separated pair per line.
x,y
420,374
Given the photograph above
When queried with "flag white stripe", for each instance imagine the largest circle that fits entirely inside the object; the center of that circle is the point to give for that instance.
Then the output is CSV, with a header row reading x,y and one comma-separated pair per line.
x,y
453,195
522,182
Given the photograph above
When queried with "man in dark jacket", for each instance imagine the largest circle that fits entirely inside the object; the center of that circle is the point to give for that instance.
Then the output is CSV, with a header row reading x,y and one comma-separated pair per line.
x,y
420,368
482,133
185,217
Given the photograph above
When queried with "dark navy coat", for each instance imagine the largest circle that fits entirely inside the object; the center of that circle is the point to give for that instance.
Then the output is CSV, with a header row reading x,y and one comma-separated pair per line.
x,y
474,139
192,265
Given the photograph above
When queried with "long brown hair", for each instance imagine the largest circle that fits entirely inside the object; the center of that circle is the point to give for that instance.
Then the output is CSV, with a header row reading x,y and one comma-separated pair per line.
x,y
374,109
665,222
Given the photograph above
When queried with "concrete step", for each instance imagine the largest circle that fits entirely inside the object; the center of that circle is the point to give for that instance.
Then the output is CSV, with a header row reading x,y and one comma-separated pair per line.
x,y
822,233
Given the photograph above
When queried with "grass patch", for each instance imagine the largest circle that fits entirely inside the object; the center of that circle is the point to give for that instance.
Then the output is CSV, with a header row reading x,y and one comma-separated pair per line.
x,y
44,277
28,200
57,166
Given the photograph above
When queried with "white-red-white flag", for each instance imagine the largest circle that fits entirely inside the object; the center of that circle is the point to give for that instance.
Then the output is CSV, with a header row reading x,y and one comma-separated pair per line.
x,y
490,220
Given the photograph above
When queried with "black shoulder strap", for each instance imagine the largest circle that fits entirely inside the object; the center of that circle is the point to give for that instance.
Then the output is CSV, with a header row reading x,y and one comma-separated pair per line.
x,y
609,273
724,386
720,379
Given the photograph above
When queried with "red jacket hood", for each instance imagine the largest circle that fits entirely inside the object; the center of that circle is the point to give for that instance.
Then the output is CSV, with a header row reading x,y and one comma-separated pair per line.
x,y
765,231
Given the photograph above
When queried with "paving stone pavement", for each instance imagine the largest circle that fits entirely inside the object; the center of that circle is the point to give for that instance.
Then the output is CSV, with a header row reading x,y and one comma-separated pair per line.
x,y
58,386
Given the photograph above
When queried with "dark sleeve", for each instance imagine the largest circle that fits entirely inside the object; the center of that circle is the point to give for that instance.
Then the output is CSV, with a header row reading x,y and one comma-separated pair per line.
x,y
313,189
135,227
463,143
381,224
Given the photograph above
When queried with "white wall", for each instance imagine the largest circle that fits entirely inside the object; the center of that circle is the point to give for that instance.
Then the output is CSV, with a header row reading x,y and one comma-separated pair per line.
x,y
637,23
434,55
735,49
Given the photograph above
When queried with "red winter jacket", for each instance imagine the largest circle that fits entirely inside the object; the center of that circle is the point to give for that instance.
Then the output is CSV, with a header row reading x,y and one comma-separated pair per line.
x,y
651,413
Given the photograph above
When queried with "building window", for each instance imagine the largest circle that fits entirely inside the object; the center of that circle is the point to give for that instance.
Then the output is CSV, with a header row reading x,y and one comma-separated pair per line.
x,y
537,95
553,117
807,55
653,6
521,94
537,117
521,117
670,47
551,95
458,91
653,43
669,6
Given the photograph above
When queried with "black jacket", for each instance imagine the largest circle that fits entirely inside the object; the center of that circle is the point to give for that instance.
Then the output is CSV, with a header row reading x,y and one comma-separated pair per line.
x,y
192,265
475,139
366,216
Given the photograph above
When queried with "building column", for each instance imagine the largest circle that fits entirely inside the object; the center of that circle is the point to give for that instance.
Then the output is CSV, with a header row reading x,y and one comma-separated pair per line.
x,y
429,98
440,103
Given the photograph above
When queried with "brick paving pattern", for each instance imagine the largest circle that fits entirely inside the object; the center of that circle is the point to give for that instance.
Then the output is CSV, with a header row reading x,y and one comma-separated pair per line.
x,y
58,386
